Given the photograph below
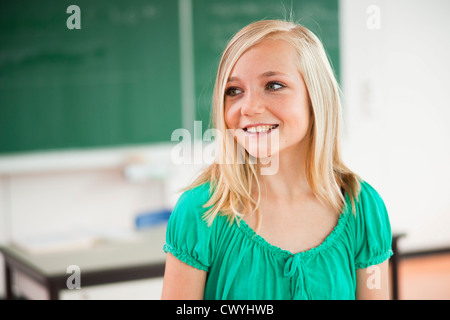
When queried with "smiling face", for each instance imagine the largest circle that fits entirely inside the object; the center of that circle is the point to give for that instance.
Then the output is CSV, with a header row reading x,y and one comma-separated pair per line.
x,y
266,100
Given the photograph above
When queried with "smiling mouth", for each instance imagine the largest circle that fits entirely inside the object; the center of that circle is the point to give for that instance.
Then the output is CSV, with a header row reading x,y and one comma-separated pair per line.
x,y
260,129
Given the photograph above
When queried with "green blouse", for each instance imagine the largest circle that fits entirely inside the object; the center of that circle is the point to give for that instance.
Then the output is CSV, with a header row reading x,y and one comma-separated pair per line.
x,y
243,265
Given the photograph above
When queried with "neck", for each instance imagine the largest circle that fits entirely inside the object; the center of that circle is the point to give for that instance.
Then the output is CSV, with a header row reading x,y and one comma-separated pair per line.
x,y
288,181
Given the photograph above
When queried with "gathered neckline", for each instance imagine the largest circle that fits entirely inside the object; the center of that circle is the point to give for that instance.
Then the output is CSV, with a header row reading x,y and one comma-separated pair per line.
x,y
283,253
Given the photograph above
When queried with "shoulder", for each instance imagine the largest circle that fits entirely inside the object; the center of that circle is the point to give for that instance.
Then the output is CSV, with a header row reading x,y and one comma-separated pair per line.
x,y
368,191
190,207
373,230
195,197
371,214
188,235
369,199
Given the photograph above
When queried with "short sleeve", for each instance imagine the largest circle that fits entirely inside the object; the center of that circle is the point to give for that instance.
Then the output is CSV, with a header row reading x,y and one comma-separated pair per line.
x,y
373,229
188,235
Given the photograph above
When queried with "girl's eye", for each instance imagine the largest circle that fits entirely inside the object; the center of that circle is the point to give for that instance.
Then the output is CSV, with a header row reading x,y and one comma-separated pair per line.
x,y
274,86
232,91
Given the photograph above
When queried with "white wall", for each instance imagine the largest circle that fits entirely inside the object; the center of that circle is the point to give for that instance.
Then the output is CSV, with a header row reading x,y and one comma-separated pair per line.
x,y
397,111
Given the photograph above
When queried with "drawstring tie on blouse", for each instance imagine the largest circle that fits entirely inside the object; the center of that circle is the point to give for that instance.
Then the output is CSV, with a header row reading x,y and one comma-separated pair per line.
x,y
295,269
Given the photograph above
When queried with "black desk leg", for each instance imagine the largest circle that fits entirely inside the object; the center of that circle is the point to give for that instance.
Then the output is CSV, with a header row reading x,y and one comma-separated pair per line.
x,y
53,291
394,261
8,283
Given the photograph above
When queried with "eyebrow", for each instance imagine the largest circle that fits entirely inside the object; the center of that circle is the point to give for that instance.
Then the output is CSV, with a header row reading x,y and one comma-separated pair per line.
x,y
262,75
272,73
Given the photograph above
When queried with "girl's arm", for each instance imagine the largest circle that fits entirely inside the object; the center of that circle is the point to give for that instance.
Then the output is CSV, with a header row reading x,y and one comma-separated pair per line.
x,y
181,281
372,283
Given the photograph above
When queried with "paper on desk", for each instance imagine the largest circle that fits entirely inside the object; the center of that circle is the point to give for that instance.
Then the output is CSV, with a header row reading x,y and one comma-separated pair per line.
x,y
73,239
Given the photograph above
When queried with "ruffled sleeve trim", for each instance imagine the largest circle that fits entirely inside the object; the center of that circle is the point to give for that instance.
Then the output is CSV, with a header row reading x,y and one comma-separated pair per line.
x,y
184,257
375,260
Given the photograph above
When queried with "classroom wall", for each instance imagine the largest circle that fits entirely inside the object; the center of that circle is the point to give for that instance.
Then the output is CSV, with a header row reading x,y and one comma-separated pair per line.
x,y
397,111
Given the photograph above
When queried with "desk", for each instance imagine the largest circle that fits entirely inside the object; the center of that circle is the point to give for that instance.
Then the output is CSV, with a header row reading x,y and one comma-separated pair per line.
x,y
101,264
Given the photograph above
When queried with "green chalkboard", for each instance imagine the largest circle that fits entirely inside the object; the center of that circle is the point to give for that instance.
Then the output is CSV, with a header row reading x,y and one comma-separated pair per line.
x,y
216,21
114,81
117,80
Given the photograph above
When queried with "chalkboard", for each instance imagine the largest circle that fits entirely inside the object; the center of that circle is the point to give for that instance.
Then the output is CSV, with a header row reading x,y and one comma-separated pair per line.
x,y
216,21
117,80
114,81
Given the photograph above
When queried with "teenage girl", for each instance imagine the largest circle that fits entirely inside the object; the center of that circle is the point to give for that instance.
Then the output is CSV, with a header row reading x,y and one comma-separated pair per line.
x,y
277,215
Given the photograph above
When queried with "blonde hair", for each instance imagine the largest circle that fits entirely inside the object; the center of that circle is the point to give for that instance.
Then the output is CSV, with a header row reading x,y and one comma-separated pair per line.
x,y
231,181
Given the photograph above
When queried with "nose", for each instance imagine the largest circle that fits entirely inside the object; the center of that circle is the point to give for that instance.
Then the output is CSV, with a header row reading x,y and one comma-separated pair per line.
x,y
253,104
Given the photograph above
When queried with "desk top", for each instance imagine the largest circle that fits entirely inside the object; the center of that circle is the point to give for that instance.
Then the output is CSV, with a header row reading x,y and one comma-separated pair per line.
x,y
146,250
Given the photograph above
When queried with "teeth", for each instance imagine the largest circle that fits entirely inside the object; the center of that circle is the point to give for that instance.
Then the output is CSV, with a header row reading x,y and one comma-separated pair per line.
x,y
259,129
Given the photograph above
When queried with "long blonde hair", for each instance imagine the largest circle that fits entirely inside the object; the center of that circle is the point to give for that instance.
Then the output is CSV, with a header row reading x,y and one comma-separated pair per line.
x,y
231,181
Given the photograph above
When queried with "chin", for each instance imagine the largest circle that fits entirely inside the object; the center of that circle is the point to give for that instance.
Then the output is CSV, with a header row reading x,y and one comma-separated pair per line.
x,y
259,148
261,153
